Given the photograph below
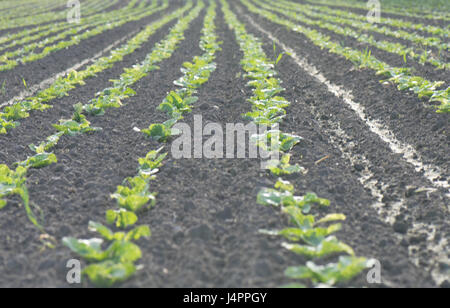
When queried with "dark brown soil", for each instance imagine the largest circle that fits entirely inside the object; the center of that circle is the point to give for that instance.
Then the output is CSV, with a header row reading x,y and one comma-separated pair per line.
x,y
59,61
206,221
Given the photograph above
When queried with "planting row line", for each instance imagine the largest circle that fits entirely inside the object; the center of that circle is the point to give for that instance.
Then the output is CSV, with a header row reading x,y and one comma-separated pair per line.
x,y
13,181
403,77
423,56
345,17
136,196
397,23
24,52
309,236
27,8
91,6
74,40
60,87
31,35
37,29
10,4
407,9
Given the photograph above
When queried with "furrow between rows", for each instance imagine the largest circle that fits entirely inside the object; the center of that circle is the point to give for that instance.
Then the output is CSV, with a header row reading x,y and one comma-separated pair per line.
x,y
392,210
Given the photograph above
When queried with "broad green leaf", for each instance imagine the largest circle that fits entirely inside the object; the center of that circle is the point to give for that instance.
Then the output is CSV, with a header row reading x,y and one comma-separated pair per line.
x,y
122,218
159,132
269,196
284,185
124,252
311,236
105,232
298,218
135,203
137,233
89,249
328,246
190,100
109,273
312,198
288,142
331,217
40,160
344,270
283,167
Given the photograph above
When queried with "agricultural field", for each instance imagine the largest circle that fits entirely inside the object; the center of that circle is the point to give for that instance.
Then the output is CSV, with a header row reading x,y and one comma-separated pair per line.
x,y
224,143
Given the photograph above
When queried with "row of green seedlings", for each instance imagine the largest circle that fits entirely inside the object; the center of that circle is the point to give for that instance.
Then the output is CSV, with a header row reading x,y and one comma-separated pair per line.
x,y
10,116
68,29
195,74
13,182
395,22
26,9
114,265
89,22
311,237
103,26
117,263
422,56
360,22
101,23
29,19
37,19
45,29
403,77
13,5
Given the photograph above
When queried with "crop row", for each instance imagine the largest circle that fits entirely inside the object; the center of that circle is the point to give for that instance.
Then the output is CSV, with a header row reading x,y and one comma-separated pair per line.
x,y
25,9
31,35
346,17
195,74
91,6
423,56
12,4
403,77
407,9
74,40
307,237
19,110
115,265
25,51
13,182
48,26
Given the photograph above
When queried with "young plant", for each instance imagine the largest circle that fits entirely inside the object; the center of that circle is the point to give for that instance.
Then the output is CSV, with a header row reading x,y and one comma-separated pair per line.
x,y
283,166
420,86
13,182
330,274
64,84
315,239
77,125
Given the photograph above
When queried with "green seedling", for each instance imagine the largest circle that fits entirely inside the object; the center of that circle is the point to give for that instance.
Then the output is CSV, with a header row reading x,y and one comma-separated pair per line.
x,y
330,274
